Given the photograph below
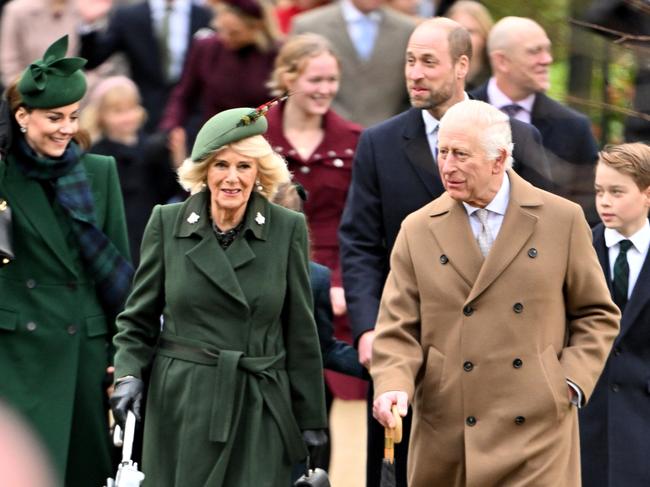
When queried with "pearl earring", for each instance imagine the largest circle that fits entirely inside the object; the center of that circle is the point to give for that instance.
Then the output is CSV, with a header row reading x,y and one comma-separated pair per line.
x,y
258,185
23,129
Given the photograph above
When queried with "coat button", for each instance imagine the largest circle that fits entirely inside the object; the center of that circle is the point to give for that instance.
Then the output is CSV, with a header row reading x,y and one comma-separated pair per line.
x,y
468,310
517,363
30,283
71,330
338,162
444,259
532,252
31,326
518,307
317,156
615,387
468,366
519,420
470,421
305,170
331,153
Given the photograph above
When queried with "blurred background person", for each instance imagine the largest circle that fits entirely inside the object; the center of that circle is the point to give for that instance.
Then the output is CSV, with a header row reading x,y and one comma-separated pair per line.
x,y
71,274
114,118
229,68
476,18
286,10
235,391
318,146
153,35
369,40
23,461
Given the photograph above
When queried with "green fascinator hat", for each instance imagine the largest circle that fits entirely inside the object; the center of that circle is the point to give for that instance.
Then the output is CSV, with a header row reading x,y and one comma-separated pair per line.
x,y
227,127
55,80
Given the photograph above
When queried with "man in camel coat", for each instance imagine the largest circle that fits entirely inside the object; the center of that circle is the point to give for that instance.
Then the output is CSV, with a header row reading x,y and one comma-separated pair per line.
x,y
495,321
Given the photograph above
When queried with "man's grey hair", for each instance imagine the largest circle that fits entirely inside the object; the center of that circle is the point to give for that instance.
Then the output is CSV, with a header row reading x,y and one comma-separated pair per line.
x,y
492,124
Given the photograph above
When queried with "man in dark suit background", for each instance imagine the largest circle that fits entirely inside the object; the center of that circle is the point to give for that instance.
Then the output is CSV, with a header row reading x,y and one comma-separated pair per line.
x,y
154,36
520,55
394,174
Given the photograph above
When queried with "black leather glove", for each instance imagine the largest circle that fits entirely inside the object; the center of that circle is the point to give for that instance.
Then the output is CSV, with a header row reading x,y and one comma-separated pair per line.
x,y
315,440
127,395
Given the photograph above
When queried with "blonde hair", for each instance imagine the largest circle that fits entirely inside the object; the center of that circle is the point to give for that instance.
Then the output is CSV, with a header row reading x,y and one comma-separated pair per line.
x,y
109,93
267,31
271,168
631,159
293,57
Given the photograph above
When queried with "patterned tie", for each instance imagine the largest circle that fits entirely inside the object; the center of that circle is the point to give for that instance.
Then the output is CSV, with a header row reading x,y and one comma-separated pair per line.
x,y
512,110
484,237
621,275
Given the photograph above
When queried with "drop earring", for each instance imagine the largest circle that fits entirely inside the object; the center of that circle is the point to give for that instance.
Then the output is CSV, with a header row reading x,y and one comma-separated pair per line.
x,y
258,185
23,129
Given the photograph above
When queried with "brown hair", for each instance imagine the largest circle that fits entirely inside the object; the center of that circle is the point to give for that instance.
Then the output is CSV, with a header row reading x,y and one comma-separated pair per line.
x,y
293,58
82,138
267,30
631,159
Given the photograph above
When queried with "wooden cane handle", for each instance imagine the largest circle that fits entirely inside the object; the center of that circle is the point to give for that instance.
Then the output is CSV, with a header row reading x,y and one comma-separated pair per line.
x,y
397,433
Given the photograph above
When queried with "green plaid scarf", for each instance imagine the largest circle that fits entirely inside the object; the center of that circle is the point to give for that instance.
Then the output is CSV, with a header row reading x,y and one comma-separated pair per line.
x,y
67,176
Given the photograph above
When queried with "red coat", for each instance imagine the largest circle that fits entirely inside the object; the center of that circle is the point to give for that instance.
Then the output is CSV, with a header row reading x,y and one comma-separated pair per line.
x,y
326,177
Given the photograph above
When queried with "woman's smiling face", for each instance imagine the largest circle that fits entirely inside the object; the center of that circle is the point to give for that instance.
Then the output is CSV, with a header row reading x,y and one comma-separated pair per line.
x,y
49,130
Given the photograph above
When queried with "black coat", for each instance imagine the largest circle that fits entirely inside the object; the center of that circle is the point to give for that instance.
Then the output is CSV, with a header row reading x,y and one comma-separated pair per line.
x,y
394,174
570,148
131,32
146,179
615,425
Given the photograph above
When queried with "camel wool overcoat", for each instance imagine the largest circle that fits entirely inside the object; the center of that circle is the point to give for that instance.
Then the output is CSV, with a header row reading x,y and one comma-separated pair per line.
x,y
484,347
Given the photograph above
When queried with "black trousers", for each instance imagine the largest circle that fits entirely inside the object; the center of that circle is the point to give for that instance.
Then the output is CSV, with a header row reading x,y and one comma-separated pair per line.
x,y
375,448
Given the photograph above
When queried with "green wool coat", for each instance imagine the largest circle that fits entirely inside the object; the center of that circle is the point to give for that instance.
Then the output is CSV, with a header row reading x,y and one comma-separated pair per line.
x,y
236,372
54,335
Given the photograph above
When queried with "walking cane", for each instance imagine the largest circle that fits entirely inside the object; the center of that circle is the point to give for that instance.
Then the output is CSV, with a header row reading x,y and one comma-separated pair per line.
x,y
128,474
392,436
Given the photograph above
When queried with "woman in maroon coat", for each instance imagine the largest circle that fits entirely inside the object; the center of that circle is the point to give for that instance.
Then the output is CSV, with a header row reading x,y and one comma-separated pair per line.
x,y
319,146
227,69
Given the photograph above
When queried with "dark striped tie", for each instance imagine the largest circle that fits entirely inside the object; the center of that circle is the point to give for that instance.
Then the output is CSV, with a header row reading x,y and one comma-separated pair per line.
x,y
621,275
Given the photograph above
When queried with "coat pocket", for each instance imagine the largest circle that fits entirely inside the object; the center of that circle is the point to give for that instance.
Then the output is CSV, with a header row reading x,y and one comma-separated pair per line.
x,y
427,399
8,320
96,326
556,380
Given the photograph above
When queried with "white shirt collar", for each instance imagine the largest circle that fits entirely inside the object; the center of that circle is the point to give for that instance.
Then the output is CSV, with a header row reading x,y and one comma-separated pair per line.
x,y
158,6
640,240
499,203
352,14
499,99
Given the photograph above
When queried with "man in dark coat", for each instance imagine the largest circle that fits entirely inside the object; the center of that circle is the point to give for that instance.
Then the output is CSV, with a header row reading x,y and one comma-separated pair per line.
x,y
394,174
520,55
135,31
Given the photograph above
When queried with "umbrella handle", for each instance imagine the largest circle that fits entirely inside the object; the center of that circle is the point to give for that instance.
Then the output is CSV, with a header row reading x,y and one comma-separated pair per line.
x,y
392,436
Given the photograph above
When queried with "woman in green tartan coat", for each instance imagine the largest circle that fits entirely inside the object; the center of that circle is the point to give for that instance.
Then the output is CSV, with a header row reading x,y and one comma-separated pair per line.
x,y
235,390
70,276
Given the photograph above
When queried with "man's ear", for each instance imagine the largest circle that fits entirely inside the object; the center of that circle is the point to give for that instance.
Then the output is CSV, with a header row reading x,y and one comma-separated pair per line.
x,y
500,162
462,67
499,61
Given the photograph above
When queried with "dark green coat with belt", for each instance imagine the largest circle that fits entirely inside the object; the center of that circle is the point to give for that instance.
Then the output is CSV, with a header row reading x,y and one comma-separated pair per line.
x,y
236,371
54,333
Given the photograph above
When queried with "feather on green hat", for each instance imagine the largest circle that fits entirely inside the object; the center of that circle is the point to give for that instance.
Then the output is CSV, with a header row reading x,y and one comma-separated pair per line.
x,y
225,128
55,80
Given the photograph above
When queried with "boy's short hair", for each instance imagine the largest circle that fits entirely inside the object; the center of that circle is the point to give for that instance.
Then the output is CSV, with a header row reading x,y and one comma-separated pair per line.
x,y
632,159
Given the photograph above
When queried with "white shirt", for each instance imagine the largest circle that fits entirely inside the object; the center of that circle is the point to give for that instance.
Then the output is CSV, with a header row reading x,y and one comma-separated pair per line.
x,y
431,128
179,31
496,210
635,256
499,99
362,28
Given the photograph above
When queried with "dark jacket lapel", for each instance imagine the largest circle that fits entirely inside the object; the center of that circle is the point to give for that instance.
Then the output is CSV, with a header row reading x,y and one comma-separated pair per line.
x,y
416,146
638,299
602,252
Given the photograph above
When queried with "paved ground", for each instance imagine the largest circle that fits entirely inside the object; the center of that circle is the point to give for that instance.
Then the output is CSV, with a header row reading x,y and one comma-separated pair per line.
x,y
348,427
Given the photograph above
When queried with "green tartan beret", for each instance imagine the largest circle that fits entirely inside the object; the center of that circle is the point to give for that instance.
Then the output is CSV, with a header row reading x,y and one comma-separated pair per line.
x,y
55,80
227,127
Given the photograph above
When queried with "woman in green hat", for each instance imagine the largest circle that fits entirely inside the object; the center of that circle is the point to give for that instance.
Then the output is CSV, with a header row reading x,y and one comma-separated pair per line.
x,y
71,273
234,377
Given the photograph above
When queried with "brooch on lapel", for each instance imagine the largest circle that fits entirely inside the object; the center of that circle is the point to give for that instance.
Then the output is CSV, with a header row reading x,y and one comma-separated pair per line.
x,y
259,218
193,218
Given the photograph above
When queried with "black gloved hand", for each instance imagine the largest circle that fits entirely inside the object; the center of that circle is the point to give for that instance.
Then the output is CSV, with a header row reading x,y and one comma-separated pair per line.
x,y
127,395
315,440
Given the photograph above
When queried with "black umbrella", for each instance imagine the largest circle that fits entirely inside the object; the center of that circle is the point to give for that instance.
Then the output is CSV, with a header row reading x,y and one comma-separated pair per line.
x,y
391,437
